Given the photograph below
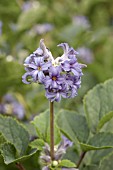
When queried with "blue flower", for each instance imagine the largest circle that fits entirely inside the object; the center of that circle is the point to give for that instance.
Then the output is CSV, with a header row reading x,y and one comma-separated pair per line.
x,y
56,94
61,77
55,79
36,69
59,151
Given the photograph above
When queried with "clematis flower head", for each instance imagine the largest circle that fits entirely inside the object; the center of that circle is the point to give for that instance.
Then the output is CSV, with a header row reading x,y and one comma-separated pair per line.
x,y
61,77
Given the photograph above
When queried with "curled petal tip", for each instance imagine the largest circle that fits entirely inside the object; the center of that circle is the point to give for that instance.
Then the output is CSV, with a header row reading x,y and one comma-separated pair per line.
x,y
42,45
62,44
26,65
42,40
83,65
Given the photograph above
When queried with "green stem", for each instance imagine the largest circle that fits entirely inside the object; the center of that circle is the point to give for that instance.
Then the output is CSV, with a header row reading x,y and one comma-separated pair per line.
x,y
51,131
20,166
81,158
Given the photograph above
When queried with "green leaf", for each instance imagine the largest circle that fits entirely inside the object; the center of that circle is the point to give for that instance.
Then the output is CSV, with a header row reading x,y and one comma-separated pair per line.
x,y
10,155
67,163
99,141
72,154
73,125
107,163
14,133
42,125
98,102
38,143
104,120
90,167
2,140
99,155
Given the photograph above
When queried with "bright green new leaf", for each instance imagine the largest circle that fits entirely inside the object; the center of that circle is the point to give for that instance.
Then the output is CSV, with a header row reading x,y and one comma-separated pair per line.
x,y
38,144
67,163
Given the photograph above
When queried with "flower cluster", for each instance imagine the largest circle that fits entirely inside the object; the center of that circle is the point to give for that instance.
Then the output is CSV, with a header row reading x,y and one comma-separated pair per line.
x,y
59,151
61,77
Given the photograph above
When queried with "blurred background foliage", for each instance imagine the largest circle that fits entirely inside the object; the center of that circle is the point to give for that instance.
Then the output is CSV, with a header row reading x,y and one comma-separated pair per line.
x,y
86,25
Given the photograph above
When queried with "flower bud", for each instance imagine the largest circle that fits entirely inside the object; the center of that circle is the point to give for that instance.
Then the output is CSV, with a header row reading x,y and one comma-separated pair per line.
x,y
54,163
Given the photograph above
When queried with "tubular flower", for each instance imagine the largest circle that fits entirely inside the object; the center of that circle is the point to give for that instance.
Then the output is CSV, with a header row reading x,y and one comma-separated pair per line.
x,y
59,152
61,77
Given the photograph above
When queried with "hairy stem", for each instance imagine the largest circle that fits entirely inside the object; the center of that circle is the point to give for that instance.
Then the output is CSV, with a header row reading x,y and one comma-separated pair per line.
x,y
20,166
51,131
81,158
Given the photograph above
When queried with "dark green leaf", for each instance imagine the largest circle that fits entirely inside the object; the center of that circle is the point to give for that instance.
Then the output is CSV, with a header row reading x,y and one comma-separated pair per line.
x,y
73,125
107,163
99,141
104,120
99,102
10,155
14,133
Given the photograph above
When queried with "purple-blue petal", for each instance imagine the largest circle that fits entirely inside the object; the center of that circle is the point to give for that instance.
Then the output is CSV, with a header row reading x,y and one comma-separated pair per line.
x,y
41,76
75,72
24,78
35,75
45,66
32,66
